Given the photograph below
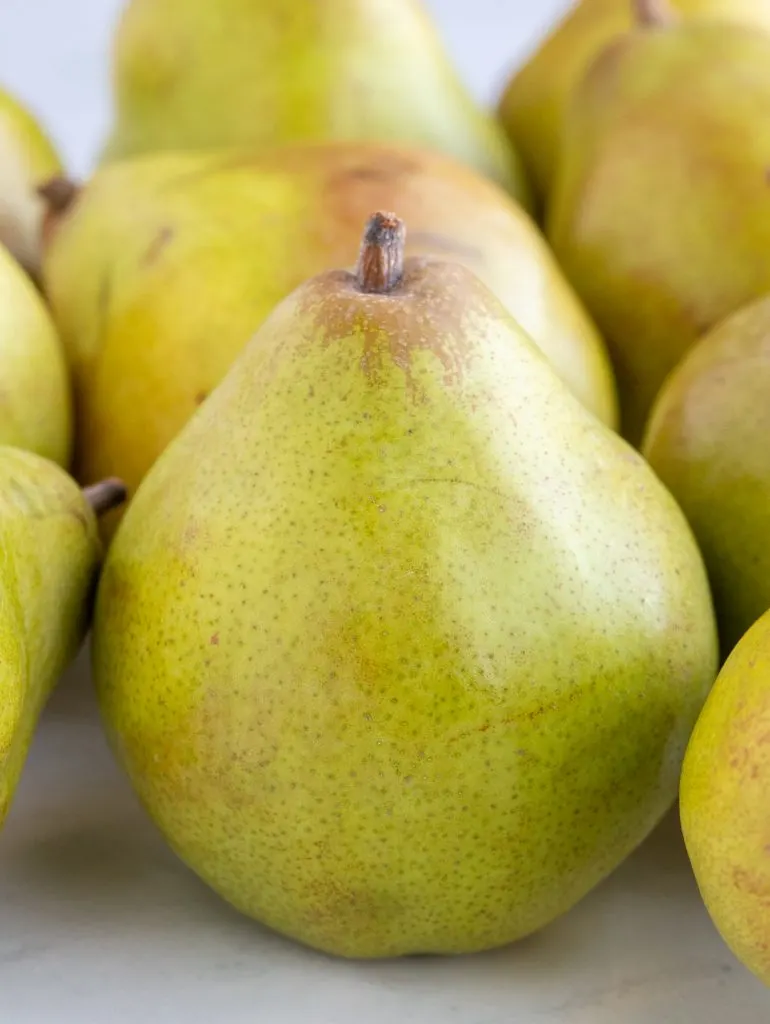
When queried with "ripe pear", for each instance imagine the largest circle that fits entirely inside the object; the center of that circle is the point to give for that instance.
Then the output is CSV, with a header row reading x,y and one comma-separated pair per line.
x,y
215,73
533,103
661,211
166,265
723,806
707,439
399,645
36,406
27,157
50,560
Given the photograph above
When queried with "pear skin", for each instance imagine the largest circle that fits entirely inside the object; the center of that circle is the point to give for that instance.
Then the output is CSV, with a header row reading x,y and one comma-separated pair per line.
x,y
36,407
533,103
51,554
167,264
217,73
660,215
399,645
707,441
27,157
723,804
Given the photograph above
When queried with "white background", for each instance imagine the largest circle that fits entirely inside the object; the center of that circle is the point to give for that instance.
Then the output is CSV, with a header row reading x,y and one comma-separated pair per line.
x,y
99,922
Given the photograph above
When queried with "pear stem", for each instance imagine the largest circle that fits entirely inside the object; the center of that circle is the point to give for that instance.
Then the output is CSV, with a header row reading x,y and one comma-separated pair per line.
x,y
59,193
381,259
653,12
106,495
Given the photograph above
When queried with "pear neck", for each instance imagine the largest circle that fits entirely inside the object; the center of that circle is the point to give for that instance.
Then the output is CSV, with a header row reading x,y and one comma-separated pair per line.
x,y
381,259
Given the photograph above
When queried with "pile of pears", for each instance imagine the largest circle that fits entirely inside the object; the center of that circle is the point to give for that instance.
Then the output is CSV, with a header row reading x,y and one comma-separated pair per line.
x,y
406,460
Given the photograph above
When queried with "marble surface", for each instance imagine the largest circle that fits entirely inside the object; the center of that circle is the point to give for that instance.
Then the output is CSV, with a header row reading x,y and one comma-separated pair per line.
x,y
99,921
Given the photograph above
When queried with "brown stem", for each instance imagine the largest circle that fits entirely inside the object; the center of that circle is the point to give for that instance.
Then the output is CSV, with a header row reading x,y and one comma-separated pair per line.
x,y
653,12
105,495
59,193
381,259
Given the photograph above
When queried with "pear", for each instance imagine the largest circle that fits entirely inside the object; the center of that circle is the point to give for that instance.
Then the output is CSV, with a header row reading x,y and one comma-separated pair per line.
x,y
708,441
533,103
214,73
399,645
36,406
660,214
27,157
50,560
723,806
166,264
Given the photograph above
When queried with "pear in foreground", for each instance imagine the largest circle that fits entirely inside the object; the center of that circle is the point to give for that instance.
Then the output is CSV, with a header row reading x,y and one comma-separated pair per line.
x,y
724,808
660,214
708,441
27,157
400,646
167,264
51,556
220,73
36,406
533,104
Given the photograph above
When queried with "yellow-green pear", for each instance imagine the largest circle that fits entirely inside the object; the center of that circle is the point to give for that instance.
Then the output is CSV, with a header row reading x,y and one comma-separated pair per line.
x,y
707,439
533,103
398,644
724,808
660,214
27,158
49,560
36,406
192,74
166,265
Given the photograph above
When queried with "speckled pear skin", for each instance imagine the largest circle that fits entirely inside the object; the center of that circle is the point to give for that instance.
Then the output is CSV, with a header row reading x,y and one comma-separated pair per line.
x,y
658,217
167,265
35,398
533,104
399,646
723,805
708,441
49,557
27,158
195,74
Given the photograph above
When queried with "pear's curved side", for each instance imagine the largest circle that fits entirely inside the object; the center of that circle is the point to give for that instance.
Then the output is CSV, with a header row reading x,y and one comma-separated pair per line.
x,y
50,558
723,800
714,459
36,412
27,158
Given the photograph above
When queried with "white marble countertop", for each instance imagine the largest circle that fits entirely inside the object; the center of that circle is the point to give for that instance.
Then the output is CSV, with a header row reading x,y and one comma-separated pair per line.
x,y
99,921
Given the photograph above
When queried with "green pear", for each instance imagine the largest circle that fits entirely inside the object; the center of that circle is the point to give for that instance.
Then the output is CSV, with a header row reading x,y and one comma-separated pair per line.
x,y
723,806
707,439
533,104
50,560
660,214
167,264
36,406
398,644
214,73
27,157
